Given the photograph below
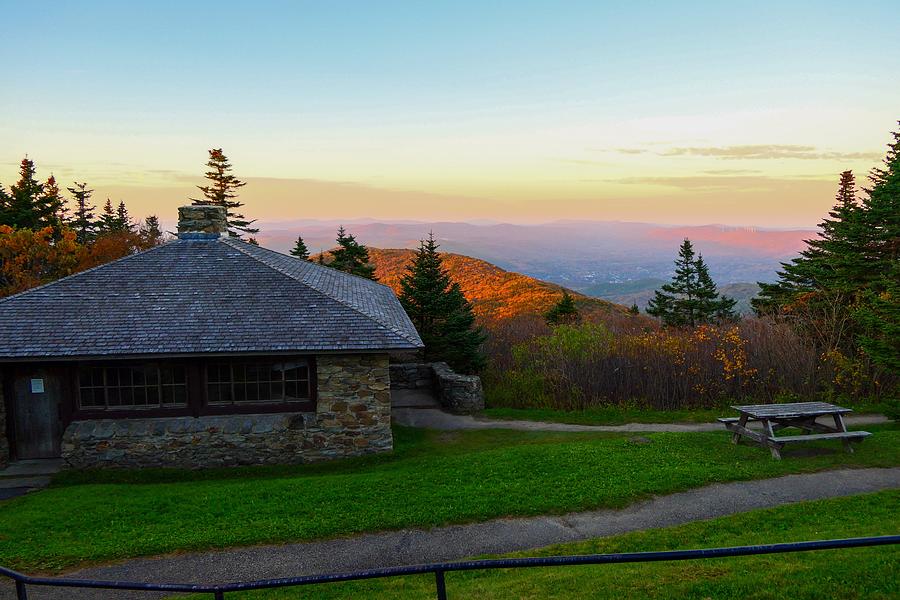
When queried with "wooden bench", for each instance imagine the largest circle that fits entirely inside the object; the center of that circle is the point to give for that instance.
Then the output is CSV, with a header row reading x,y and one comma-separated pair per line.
x,y
849,435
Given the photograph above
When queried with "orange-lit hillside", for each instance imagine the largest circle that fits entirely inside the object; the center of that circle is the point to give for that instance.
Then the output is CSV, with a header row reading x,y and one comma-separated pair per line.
x,y
496,294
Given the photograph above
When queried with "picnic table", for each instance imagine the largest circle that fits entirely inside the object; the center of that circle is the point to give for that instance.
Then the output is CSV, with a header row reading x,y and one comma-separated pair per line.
x,y
802,415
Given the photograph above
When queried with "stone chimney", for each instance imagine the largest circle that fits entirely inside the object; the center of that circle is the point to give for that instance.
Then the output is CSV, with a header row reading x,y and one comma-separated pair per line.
x,y
200,222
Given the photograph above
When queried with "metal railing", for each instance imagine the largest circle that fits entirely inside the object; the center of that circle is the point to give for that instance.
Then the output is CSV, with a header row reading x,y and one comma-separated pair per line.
x,y
439,570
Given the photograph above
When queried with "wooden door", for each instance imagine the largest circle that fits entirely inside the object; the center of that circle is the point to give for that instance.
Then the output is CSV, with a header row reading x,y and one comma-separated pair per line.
x,y
36,397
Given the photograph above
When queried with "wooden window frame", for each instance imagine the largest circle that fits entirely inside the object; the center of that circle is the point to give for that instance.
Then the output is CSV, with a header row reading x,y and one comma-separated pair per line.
x,y
197,391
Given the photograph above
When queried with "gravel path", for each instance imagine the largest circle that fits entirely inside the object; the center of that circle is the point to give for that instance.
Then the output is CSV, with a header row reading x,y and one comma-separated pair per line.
x,y
437,419
457,542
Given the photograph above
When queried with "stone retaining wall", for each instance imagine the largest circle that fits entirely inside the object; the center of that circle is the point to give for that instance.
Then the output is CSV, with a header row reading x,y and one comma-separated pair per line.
x,y
353,417
412,376
460,394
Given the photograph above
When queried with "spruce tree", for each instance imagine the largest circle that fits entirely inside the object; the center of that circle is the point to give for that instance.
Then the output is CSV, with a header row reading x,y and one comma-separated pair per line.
x,y
563,312
222,191
711,306
107,222
151,231
351,257
300,250
83,214
25,206
6,215
123,219
440,312
691,298
634,310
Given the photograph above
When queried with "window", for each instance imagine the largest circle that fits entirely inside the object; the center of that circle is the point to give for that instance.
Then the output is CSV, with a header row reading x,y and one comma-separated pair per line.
x,y
258,382
130,387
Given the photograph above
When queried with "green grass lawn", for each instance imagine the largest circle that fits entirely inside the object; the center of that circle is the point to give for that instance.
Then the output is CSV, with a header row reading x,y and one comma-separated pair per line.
x,y
848,574
431,478
611,415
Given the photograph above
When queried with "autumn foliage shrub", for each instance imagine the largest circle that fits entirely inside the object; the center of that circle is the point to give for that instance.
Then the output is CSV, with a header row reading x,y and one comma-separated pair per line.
x,y
575,367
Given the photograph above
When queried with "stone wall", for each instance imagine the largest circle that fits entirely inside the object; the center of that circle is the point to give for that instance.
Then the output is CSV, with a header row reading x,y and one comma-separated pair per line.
x,y
353,417
4,443
461,394
412,376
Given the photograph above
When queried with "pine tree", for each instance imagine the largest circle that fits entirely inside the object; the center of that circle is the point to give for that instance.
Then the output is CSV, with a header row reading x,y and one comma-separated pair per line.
x,y
123,219
150,231
351,257
107,222
6,214
710,305
25,210
440,312
300,250
563,312
53,201
83,215
222,191
691,298
634,310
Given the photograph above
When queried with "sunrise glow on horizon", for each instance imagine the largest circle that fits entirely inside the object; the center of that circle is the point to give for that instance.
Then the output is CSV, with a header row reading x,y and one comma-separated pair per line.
x,y
517,112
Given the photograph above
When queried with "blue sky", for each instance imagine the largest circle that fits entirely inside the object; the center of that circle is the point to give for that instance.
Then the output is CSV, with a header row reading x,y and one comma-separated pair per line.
x,y
545,109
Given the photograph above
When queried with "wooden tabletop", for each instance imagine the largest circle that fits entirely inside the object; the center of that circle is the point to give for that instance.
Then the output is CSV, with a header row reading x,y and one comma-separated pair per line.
x,y
795,409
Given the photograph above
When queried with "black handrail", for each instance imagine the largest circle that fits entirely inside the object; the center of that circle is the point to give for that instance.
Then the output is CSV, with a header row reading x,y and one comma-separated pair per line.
x,y
439,569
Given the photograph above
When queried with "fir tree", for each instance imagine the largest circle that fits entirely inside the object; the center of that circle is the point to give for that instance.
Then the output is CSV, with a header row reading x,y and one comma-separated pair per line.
x,y
563,312
150,231
300,250
107,222
123,219
634,310
440,312
351,257
6,215
25,210
83,214
53,201
691,298
222,191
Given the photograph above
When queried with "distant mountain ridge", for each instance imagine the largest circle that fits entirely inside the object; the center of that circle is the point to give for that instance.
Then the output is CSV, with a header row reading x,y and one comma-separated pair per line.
x,y
575,254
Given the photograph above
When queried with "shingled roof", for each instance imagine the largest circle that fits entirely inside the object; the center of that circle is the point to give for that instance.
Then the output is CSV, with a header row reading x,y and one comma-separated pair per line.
x,y
213,295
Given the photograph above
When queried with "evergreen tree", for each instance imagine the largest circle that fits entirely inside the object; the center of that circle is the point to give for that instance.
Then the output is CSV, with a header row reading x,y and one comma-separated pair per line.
x,y
563,312
691,298
25,210
6,214
53,204
123,219
710,305
351,257
440,312
150,231
83,215
107,222
300,250
634,310
222,191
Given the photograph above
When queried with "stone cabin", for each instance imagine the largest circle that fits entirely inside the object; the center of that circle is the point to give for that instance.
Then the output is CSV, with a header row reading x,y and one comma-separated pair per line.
x,y
204,351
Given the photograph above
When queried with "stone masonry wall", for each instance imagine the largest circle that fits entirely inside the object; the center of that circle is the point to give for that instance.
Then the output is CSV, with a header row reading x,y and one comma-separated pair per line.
x,y
353,417
4,443
461,394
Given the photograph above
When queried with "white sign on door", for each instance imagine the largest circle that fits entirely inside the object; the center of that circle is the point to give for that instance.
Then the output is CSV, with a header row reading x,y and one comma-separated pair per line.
x,y
37,386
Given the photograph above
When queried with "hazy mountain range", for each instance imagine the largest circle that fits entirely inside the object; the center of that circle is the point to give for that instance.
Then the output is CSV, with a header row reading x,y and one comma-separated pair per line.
x,y
619,261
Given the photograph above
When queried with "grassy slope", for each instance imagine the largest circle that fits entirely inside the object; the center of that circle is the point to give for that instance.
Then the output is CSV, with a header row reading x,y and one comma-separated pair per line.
x,y
850,574
431,479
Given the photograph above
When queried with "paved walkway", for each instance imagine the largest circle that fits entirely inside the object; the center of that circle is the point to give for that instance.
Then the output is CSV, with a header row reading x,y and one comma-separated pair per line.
x,y
23,476
461,541
437,419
